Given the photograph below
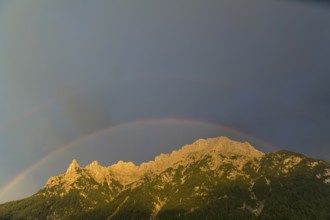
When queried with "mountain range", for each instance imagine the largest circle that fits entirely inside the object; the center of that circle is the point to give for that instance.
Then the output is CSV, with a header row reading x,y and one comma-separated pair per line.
x,y
215,178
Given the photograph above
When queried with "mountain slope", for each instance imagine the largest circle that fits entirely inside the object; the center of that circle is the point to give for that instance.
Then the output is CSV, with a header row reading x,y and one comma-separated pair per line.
x,y
213,178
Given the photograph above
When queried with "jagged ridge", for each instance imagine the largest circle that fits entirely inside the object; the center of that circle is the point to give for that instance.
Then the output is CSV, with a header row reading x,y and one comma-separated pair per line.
x,y
128,172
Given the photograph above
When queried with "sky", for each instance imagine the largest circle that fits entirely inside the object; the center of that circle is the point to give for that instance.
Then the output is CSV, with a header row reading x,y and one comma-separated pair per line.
x,y
128,80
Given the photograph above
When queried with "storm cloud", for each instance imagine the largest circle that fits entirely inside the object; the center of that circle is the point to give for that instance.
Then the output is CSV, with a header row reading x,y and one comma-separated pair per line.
x,y
68,69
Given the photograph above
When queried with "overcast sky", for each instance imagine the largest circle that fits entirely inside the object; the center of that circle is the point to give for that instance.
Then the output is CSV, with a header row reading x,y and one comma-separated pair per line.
x,y
109,80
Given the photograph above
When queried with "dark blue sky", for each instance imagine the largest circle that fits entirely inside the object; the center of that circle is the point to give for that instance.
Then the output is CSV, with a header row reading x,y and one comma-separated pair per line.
x,y
160,74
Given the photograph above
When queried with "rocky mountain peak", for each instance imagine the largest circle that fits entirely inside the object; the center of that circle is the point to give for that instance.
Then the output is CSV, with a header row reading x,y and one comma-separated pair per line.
x,y
73,167
94,166
99,172
222,145
70,176
124,165
201,148
125,172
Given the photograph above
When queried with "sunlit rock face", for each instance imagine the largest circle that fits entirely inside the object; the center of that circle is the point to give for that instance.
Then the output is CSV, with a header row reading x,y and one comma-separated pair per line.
x,y
127,172
215,178
99,173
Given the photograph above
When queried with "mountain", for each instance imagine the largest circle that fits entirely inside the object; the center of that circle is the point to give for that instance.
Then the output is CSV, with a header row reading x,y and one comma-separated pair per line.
x,y
214,178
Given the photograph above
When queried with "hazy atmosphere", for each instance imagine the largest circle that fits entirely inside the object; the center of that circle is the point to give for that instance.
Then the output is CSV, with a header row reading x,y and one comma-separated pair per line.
x,y
127,80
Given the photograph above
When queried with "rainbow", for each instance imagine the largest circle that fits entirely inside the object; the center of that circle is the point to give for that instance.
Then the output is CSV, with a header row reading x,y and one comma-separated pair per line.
x,y
25,172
